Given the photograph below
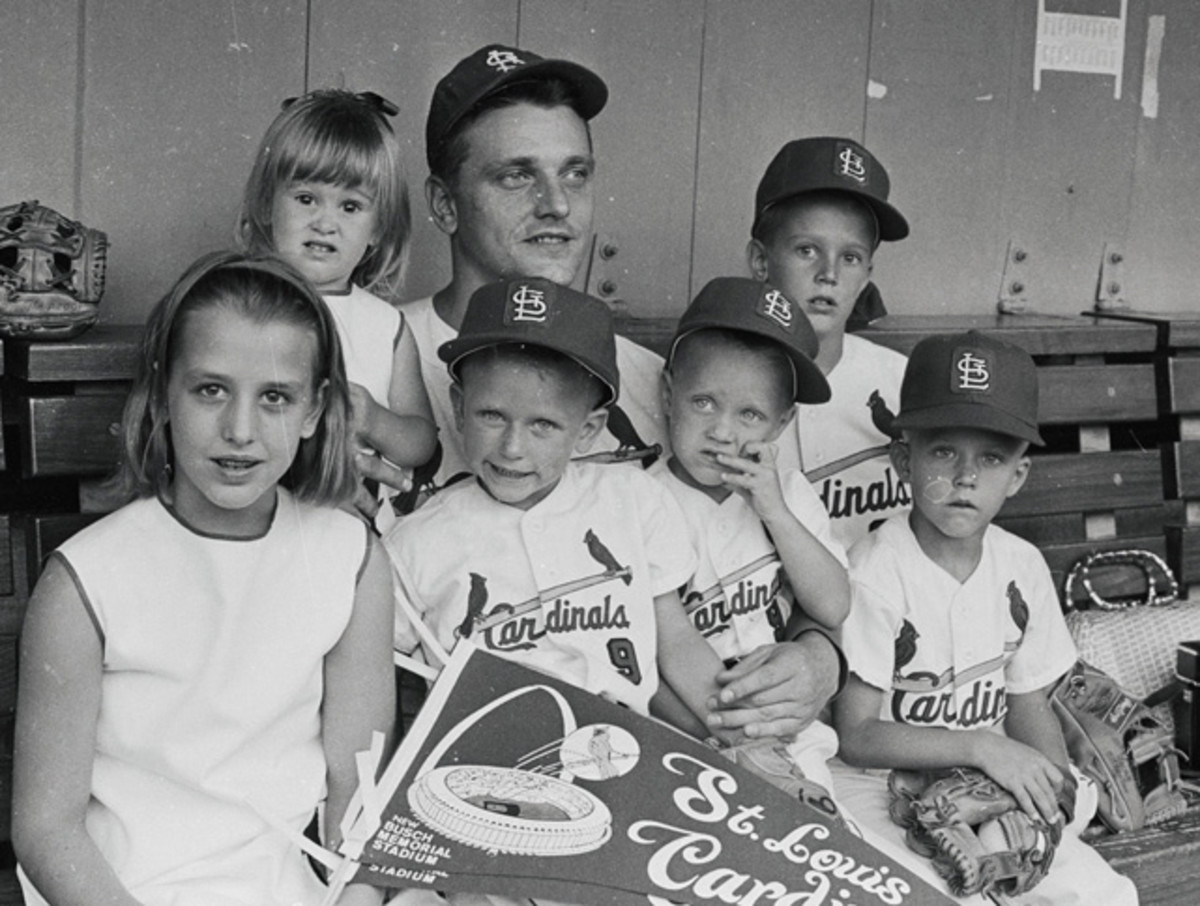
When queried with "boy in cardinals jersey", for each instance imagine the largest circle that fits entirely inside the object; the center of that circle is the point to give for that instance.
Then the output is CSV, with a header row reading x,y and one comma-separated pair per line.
x,y
742,355
955,637
821,211
570,567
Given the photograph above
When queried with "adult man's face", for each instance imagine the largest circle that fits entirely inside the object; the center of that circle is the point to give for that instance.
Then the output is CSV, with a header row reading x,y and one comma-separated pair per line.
x,y
521,204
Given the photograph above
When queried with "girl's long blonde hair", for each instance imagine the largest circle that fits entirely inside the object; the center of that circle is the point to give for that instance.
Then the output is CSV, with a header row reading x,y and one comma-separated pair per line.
x,y
263,289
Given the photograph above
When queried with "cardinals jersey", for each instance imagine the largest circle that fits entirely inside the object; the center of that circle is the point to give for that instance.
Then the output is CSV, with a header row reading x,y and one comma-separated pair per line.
x,y
947,654
740,597
566,587
637,420
840,448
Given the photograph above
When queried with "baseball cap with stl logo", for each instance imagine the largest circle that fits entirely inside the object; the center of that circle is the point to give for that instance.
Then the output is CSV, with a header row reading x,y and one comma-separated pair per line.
x,y
970,380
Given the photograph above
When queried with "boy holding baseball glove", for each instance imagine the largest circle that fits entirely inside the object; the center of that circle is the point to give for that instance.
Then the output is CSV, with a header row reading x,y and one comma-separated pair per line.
x,y
955,639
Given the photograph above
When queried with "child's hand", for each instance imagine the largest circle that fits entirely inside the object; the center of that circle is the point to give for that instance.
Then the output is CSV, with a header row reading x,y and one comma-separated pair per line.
x,y
1030,776
754,474
360,413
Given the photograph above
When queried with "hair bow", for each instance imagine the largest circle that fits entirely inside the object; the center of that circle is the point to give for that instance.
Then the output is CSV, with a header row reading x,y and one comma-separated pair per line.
x,y
376,102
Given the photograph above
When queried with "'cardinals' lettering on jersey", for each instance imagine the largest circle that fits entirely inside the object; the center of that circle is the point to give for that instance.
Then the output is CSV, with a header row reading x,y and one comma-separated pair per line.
x,y
740,598
945,653
841,447
573,606
567,586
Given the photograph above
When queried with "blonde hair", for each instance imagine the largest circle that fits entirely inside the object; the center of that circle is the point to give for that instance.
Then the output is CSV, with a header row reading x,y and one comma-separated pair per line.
x,y
264,289
335,136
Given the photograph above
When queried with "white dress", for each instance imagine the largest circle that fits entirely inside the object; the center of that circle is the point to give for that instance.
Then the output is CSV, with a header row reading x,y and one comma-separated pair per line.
x,y
211,692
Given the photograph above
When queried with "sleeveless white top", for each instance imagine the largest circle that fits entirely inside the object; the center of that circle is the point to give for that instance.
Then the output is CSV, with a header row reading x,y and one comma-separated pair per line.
x,y
369,329
211,692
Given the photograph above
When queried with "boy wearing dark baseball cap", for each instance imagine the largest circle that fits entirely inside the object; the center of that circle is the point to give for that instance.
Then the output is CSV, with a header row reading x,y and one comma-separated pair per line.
x,y
955,637
570,567
741,356
820,212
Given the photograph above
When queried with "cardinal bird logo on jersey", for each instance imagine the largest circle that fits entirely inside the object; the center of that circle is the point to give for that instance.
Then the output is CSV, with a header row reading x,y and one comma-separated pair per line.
x,y
906,646
1017,607
881,416
477,598
605,558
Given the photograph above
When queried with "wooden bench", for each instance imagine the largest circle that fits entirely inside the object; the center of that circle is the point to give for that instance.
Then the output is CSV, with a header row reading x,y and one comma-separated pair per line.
x,y
61,409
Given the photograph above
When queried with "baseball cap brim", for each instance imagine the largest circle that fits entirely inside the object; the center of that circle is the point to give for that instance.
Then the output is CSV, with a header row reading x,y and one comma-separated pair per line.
x,y
452,352
811,385
892,224
968,415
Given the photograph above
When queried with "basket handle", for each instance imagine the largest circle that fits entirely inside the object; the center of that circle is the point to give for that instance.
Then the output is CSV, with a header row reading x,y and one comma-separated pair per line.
x,y
1152,565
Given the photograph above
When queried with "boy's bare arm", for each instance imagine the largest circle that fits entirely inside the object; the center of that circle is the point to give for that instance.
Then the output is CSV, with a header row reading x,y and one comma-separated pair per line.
x,y
688,664
866,740
1032,721
819,582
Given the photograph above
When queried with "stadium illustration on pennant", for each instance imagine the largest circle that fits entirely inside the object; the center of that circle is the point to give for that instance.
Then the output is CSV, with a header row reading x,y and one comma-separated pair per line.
x,y
533,808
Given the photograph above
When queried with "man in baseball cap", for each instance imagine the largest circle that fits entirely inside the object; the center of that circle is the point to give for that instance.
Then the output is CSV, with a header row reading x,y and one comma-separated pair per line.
x,y
511,185
509,147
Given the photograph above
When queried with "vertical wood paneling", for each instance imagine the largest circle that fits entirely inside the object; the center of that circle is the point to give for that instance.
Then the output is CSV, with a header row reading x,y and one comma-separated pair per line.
x,y
774,71
40,65
979,157
941,74
177,96
402,49
645,139
1161,260
174,96
1069,154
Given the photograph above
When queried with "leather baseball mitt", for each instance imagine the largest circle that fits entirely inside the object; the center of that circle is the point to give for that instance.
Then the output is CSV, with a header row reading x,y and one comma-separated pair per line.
x,y
51,272
1118,742
972,829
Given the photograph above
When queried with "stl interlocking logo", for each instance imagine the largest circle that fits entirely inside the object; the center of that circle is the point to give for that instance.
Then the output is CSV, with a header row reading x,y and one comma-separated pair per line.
x,y
504,60
852,164
973,372
528,304
776,306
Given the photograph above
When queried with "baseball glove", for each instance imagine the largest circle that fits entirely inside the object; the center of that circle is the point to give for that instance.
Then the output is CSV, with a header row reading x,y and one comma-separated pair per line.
x,y
1118,742
51,272
972,829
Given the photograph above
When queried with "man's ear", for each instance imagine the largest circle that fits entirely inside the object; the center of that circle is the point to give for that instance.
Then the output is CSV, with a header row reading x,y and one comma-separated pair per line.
x,y
899,453
456,402
756,259
590,429
442,207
